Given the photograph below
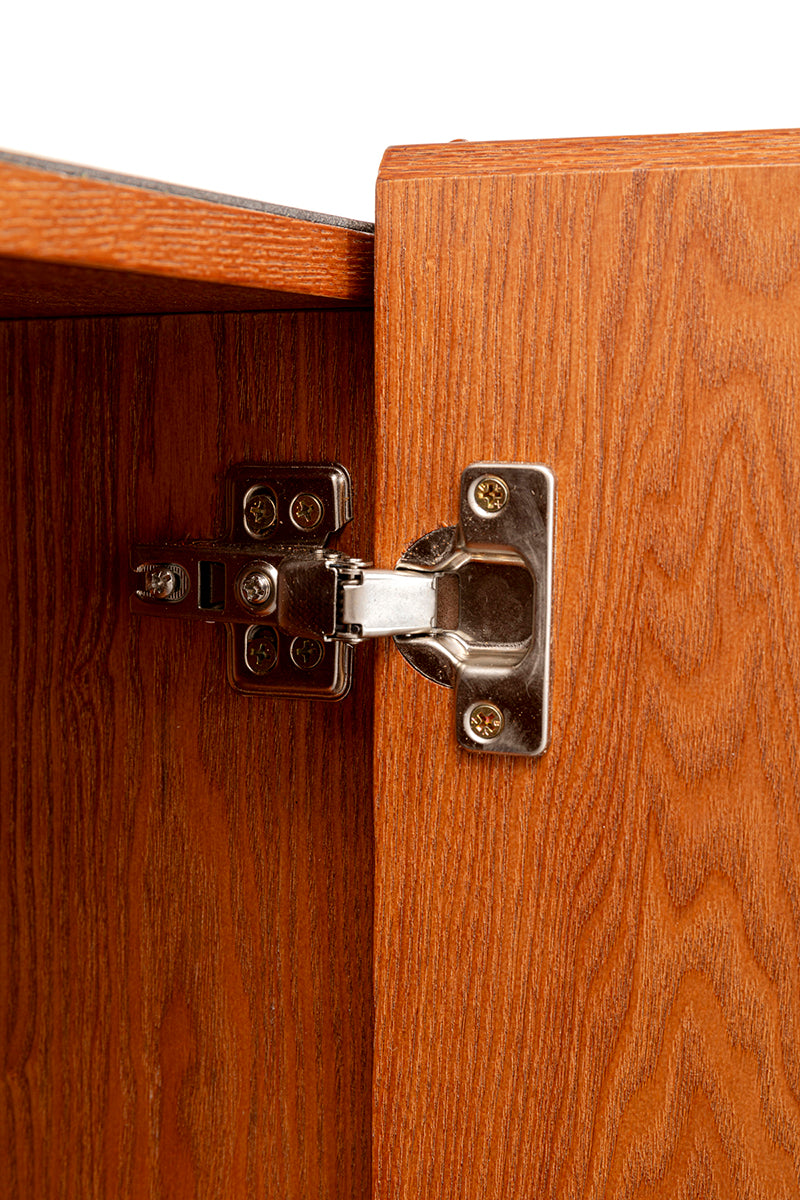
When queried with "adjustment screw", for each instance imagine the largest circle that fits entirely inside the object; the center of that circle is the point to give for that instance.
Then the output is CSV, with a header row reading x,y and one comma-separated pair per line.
x,y
261,649
255,588
491,494
260,512
306,653
486,722
306,510
159,583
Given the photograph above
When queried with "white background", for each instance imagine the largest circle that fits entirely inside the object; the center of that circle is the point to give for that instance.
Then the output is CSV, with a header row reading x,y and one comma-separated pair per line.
x,y
295,103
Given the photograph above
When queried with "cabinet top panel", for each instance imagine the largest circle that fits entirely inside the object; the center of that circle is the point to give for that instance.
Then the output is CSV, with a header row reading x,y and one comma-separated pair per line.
x,y
462,158
75,241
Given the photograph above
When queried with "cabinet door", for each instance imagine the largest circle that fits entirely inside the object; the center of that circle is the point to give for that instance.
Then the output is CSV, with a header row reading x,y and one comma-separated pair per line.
x,y
587,971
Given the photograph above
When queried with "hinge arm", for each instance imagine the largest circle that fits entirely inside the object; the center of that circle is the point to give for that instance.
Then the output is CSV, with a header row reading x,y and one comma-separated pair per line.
x,y
374,603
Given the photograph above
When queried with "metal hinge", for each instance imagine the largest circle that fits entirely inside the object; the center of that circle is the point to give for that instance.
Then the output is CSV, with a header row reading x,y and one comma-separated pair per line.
x,y
468,605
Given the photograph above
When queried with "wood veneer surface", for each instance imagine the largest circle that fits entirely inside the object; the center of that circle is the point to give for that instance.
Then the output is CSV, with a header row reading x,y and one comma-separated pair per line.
x,y
186,892
86,221
753,148
30,289
587,978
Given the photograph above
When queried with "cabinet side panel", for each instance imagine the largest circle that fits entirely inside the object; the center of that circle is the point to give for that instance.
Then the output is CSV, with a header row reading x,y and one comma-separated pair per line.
x,y
186,872
587,977
51,214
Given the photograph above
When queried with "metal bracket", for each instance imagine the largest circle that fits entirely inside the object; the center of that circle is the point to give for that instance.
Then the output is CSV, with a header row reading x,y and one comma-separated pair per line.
x,y
468,606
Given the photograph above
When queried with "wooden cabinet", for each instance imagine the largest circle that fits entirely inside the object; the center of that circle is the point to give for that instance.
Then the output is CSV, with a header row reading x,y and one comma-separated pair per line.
x,y
283,949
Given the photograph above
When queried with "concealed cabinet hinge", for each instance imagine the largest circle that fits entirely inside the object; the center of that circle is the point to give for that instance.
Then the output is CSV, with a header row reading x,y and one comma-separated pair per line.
x,y
468,605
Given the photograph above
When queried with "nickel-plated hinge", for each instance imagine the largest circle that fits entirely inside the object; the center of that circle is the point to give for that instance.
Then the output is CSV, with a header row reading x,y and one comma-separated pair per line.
x,y
467,605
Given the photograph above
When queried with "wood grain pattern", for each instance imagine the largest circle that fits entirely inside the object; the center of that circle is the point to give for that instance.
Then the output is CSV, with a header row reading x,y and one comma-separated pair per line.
x,y
587,978
753,148
186,889
54,218
30,289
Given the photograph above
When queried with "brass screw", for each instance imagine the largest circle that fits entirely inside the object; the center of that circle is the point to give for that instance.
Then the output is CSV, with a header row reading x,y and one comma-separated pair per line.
x,y
491,494
306,510
260,513
306,653
486,721
261,651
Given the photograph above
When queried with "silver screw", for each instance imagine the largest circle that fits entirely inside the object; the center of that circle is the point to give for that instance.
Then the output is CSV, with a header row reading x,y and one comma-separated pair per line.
x,y
486,722
261,649
159,583
491,494
306,653
260,512
306,510
255,588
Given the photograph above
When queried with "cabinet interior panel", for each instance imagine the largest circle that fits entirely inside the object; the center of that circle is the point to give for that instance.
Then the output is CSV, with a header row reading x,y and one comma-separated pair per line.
x,y
186,896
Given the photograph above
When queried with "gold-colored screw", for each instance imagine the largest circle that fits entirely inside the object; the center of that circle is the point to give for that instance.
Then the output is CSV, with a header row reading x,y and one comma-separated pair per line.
x,y
306,510
260,513
306,653
491,494
486,721
262,649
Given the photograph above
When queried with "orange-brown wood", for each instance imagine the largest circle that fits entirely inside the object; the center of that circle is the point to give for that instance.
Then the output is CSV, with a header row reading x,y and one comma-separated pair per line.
x,y
690,151
587,977
186,889
51,217
37,289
